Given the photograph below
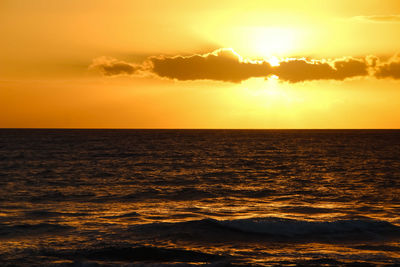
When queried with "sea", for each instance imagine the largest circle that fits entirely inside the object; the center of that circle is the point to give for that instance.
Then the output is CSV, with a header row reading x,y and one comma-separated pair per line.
x,y
199,197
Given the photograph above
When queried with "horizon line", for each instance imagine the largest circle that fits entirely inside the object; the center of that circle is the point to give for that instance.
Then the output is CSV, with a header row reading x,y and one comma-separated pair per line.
x,y
272,129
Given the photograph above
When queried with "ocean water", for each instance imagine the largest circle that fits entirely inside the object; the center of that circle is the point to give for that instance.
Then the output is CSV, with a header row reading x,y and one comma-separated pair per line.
x,y
199,197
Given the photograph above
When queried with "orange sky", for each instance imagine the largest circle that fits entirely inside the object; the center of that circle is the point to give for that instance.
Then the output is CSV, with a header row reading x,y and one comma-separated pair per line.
x,y
199,64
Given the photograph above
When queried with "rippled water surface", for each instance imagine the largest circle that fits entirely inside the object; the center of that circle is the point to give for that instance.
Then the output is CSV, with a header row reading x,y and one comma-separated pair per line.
x,y
199,197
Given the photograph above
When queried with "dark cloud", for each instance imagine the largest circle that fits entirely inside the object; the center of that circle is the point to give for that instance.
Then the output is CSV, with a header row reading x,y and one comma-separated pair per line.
x,y
390,69
227,66
113,67
221,65
300,70
381,18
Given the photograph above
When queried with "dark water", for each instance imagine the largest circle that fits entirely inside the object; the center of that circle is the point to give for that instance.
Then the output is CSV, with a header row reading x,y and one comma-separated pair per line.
x,y
191,197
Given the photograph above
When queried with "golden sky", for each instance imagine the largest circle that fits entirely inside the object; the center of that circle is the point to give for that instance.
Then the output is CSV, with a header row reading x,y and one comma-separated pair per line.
x,y
199,64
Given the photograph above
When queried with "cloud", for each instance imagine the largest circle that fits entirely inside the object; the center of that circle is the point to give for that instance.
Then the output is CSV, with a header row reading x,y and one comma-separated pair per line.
x,y
221,65
390,69
380,18
112,67
300,70
228,66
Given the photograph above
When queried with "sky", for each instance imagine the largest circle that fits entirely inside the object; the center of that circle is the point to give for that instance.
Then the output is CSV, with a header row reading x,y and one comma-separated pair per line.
x,y
200,64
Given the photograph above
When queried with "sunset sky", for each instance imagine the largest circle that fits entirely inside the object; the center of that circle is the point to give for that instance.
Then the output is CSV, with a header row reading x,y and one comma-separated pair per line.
x,y
199,64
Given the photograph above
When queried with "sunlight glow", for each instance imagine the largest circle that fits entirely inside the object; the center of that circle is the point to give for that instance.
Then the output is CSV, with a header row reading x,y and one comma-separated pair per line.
x,y
271,42
273,61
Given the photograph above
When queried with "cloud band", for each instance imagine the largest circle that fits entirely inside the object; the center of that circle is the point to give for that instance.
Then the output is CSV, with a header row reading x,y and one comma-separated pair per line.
x,y
228,66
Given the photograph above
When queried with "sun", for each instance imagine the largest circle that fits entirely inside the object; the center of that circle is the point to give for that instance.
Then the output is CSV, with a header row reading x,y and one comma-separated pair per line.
x,y
267,43
260,42
272,41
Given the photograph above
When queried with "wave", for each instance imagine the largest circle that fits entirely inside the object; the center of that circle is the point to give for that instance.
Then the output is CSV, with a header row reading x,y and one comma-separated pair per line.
x,y
49,214
11,231
268,228
292,228
57,195
379,248
306,210
186,193
135,254
125,215
146,264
